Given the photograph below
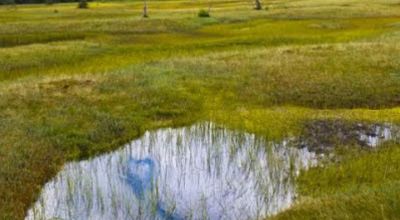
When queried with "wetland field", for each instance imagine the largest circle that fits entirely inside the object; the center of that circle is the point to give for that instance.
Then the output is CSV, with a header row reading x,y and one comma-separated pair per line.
x,y
201,110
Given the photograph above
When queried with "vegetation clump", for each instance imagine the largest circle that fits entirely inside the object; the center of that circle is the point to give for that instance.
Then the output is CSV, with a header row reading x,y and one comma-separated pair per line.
x,y
203,13
83,4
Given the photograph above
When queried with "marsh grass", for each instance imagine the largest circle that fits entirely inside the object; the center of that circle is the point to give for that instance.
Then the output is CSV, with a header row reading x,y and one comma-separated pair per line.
x,y
82,82
366,186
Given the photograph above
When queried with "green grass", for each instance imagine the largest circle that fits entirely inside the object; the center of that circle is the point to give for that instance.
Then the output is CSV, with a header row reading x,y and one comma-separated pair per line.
x,y
365,185
77,83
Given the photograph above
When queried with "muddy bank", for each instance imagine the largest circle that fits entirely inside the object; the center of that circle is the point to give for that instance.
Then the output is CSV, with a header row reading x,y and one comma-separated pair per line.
x,y
323,136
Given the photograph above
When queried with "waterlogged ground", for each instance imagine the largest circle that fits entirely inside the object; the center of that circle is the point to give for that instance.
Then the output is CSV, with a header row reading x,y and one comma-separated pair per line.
x,y
322,136
197,172
78,83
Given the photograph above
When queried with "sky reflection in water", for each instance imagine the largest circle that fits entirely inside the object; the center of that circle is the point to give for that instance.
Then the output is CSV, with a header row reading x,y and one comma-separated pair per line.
x,y
197,172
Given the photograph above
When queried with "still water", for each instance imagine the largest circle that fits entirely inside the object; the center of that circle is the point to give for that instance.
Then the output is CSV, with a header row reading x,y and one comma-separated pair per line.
x,y
199,172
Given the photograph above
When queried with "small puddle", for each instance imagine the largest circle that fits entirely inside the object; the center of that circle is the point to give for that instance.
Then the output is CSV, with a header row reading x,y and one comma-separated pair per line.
x,y
197,172
323,136
379,135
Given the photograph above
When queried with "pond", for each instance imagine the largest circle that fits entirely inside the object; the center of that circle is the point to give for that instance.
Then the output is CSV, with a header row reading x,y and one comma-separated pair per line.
x,y
199,172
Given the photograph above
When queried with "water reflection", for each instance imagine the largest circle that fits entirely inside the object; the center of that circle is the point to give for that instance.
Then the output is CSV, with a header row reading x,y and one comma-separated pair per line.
x,y
197,172
379,134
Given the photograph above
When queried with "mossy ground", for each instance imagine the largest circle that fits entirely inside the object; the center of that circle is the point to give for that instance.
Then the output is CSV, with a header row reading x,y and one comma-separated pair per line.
x,y
76,83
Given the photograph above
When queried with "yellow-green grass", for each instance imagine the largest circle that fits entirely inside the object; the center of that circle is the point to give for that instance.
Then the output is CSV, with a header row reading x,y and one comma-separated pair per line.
x,y
364,185
109,50
76,83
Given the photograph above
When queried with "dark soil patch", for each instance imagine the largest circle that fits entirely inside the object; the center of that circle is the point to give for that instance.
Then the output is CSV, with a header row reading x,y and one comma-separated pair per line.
x,y
324,135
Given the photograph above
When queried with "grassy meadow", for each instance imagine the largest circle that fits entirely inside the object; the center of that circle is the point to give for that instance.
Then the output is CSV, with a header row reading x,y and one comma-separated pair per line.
x,y
75,83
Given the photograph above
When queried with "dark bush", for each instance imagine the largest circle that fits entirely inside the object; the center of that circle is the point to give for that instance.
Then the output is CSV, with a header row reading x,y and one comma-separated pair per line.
x,y
203,13
7,2
83,4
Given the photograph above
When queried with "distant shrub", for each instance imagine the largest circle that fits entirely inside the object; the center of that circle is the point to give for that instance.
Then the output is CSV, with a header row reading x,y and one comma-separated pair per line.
x,y
83,4
49,2
258,5
203,13
7,2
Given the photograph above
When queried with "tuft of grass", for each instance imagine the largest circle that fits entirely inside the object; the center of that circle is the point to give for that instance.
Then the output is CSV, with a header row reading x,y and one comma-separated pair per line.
x,y
203,13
